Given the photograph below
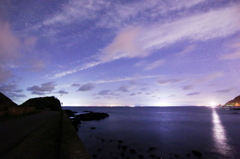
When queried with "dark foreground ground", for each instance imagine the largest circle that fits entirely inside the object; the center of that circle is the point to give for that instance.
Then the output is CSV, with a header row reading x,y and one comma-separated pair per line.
x,y
47,135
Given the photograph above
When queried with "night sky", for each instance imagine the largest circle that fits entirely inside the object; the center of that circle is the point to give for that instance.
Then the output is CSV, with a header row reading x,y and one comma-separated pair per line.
x,y
121,52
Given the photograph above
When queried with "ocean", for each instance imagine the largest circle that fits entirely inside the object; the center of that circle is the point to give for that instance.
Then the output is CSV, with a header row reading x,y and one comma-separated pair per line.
x,y
161,132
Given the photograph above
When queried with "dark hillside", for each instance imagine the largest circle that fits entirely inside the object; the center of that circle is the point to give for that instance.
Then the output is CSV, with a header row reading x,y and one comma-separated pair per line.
x,y
51,103
6,102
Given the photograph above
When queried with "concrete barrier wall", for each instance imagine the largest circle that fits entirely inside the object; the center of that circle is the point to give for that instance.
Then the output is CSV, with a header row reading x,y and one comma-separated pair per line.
x,y
20,110
71,145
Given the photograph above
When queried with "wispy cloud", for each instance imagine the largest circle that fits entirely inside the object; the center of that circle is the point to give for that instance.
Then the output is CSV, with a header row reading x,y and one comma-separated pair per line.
x,y
87,87
168,81
209,77
141,41
127,79
227,90
5,73
138,40
186,50
188,87
74,70
155,64
193,93
235,51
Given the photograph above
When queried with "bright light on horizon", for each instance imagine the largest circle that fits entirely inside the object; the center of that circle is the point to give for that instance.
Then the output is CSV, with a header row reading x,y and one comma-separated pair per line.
x,y
213,104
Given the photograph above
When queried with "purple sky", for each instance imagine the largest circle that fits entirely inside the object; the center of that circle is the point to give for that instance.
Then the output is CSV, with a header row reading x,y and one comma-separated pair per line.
x,y
121,52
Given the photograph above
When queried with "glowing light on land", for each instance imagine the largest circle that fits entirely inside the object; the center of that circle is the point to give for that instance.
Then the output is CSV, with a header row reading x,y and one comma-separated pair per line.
x,y
162,104
213,104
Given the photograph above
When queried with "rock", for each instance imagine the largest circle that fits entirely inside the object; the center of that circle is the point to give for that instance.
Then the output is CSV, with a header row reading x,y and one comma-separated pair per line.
x,y
152,148
120,141
177,156
152,155
196,153
69,113
86,111
43,103
124,148
91,116
132,151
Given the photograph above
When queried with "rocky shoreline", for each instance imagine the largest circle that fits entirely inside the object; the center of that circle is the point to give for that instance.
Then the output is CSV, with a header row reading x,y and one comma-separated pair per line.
x,y
87,116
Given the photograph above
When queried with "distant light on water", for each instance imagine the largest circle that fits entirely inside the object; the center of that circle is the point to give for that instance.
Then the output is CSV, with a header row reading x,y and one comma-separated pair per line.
x,y
219,135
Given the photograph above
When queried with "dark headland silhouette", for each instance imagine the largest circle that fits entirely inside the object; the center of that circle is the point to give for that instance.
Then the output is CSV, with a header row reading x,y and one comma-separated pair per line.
x,y
234,102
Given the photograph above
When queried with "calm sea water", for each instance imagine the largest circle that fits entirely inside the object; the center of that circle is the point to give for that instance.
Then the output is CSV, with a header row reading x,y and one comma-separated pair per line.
x,y
173,131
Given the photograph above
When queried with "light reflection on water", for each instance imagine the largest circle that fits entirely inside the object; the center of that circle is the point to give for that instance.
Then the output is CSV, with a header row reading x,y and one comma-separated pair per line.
x,y
219,135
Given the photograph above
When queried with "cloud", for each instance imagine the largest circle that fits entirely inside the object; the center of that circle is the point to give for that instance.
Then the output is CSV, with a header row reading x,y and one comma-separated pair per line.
x,y
225,90
105,92
62,92
75,85
193,93
132,94
11,90
141,41
9,44
167,81
126,44
138,40
155,64
200,27
131,79
186,50
76,11
231,56
13,50
87,87
77,69
188,87
210,77
235,52
120,14
8,88
112,14
9,50
124,88
43,89
15,95
5,73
